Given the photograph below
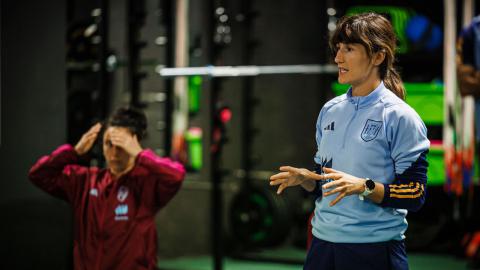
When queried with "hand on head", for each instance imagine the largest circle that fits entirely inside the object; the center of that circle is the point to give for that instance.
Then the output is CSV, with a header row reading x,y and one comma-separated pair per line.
x,y
120,149
87,140
120,137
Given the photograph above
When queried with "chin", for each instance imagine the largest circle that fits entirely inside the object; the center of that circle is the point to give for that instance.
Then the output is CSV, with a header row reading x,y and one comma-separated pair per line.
x,y
115,167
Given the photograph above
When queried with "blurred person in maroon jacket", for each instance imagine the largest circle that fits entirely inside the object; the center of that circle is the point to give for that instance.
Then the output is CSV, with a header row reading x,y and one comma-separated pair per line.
x,y
113,208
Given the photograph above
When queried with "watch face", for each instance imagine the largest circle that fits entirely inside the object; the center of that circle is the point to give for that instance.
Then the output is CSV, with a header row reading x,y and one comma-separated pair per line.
x,y
370,184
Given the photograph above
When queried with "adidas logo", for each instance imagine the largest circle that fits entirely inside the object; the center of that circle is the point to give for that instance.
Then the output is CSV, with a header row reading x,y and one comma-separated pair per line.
x,y
331,126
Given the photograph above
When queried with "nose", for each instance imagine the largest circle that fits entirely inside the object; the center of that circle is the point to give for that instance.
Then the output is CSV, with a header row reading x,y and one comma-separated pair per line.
x,y
338,57
115,150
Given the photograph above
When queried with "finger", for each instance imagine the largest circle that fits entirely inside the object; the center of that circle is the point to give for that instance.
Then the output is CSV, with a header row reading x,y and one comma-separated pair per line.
x,y
97,126
87,146
120,135
281,188
85,143
278,182
312,175
289,169
337,199
116,137
123,137
94,129
316,176
333,184
87,138
117,134
90,138
116,140
329,170
92,134
123,133
335,190
333,176
279,175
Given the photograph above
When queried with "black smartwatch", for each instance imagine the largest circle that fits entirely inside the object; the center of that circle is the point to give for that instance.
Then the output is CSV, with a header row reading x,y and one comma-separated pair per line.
x,y
369,187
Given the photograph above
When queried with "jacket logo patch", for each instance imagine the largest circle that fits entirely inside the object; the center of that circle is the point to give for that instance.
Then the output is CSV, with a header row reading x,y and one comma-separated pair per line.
x,y
371,130
121,212
330,126
122,193
94,192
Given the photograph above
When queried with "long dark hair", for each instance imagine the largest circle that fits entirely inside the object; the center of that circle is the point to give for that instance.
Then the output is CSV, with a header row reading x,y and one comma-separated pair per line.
x,y
376,34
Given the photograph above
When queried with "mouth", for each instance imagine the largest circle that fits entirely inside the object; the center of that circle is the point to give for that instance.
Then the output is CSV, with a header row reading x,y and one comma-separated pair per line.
x,y
342,70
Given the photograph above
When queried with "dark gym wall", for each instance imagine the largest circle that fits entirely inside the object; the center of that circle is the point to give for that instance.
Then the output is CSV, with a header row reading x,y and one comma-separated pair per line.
x,y
284,108
35,228
289,104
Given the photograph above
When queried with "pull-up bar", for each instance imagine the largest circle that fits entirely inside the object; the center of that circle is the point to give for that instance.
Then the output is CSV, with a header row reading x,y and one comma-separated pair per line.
x,y
237,71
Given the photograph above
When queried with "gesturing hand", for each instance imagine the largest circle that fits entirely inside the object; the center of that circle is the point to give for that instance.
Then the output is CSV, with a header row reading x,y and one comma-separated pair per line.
x,y
87,140
126,141
344,184
291,176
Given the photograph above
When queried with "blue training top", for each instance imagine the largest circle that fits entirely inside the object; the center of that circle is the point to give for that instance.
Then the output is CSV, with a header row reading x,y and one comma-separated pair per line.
x,y
377,136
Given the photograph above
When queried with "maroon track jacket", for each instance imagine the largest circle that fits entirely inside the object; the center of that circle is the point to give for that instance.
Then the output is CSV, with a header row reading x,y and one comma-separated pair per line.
x,y
114,220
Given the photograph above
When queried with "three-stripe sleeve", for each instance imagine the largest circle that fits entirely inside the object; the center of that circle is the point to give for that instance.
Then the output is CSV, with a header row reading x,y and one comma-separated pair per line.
x,y
409,188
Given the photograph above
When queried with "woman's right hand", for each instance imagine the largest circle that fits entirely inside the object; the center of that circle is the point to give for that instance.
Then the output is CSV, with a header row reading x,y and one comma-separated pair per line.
x,y
87,140
291,176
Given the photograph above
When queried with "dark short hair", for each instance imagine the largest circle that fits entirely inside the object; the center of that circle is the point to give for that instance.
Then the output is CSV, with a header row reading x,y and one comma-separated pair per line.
x,y
131,118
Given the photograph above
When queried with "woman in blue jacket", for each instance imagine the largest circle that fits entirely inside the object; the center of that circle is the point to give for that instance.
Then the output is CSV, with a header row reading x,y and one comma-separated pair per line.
x,y
371,166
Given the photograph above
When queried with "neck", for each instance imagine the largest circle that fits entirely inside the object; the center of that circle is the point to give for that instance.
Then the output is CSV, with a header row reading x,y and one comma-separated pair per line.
x,y
368,84
118,173
366,88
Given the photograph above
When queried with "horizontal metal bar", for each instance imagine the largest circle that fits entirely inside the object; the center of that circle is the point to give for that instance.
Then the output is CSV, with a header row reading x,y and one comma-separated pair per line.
x,y
236,71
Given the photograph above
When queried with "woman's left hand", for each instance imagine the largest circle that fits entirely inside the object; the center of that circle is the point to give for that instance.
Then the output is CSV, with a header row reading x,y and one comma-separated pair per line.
x,y
344,184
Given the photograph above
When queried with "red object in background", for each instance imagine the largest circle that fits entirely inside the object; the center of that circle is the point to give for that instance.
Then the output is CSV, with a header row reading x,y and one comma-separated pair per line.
x,y
472,247
222,116
225,115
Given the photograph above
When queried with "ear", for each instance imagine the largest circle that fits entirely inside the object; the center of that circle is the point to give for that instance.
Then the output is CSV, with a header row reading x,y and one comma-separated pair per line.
x,y
378,57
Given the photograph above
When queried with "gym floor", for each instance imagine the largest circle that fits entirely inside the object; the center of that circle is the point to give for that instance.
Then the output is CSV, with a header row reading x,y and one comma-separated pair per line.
x,y
417,261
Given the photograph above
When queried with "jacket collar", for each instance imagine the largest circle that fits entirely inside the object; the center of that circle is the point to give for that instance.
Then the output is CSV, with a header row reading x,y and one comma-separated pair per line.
x,y
370,99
